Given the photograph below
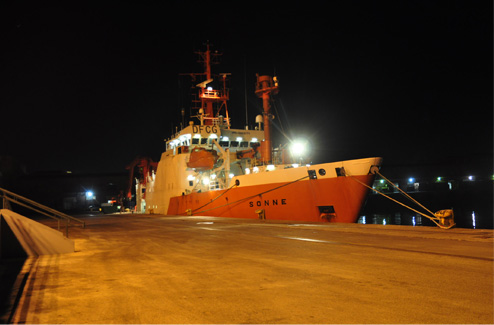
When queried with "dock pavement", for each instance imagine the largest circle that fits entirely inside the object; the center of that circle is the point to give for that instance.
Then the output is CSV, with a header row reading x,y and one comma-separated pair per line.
x,y
173,269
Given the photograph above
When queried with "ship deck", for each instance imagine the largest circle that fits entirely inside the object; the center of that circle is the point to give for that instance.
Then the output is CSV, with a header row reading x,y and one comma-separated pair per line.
x,y
165,269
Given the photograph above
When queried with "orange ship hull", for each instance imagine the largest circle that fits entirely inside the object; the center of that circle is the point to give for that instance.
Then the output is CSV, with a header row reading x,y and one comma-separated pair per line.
x,y
337,199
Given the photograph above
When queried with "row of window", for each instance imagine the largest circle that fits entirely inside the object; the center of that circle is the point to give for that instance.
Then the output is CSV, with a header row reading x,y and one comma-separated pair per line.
x,y
226,144
238,144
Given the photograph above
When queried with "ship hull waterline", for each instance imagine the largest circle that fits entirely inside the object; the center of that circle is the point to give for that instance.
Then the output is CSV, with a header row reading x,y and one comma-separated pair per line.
x,y
336,199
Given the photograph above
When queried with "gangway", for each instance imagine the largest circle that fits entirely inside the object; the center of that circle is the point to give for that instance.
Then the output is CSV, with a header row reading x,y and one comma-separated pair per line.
x,y
10,197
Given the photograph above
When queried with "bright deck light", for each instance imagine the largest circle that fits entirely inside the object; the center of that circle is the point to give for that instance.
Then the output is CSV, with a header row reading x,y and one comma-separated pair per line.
x,y
299,148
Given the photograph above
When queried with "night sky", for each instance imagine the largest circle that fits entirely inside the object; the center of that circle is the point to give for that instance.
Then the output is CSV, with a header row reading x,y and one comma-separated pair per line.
x,y
87,88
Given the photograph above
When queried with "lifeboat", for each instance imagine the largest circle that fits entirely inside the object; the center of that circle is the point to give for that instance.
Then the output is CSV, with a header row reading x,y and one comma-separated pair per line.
x,y
202,159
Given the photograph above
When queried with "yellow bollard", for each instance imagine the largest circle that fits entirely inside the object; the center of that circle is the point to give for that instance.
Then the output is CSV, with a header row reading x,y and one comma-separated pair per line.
x,y
446,218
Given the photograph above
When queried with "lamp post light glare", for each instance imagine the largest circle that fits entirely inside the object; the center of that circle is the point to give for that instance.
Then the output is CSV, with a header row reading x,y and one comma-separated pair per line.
x,y
90,195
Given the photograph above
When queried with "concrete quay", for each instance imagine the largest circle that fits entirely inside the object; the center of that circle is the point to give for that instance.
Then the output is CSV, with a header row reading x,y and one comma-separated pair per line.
x,y
170,269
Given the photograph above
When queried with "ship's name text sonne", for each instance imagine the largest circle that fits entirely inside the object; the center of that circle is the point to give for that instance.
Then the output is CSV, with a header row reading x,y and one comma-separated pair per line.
x,y
267,202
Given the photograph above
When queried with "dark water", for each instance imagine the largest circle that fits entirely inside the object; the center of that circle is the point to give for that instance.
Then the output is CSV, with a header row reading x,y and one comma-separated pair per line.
x,y
9,270
471,200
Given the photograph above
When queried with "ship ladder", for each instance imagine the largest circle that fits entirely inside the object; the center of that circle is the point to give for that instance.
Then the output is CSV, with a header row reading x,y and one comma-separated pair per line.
x,y
444,219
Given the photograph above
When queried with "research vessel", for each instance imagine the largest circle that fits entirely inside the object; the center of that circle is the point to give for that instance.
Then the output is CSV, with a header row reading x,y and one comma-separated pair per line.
x,y
212,169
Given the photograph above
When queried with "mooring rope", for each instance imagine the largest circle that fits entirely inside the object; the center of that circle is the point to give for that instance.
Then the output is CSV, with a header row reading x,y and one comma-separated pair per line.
x,y
404,193
193,211
240,200
433,219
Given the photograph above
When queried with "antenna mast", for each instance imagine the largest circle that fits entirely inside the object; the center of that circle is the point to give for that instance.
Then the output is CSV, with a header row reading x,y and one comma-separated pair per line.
x,y
245,94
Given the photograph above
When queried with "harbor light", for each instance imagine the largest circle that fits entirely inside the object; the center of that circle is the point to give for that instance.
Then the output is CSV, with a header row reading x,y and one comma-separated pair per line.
x,y
411,180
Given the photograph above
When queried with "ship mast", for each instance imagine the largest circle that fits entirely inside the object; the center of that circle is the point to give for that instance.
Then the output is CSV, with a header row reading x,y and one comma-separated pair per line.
x,y
265,87
209,96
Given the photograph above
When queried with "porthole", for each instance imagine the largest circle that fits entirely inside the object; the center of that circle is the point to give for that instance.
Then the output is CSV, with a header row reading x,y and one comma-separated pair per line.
x,y
322,172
